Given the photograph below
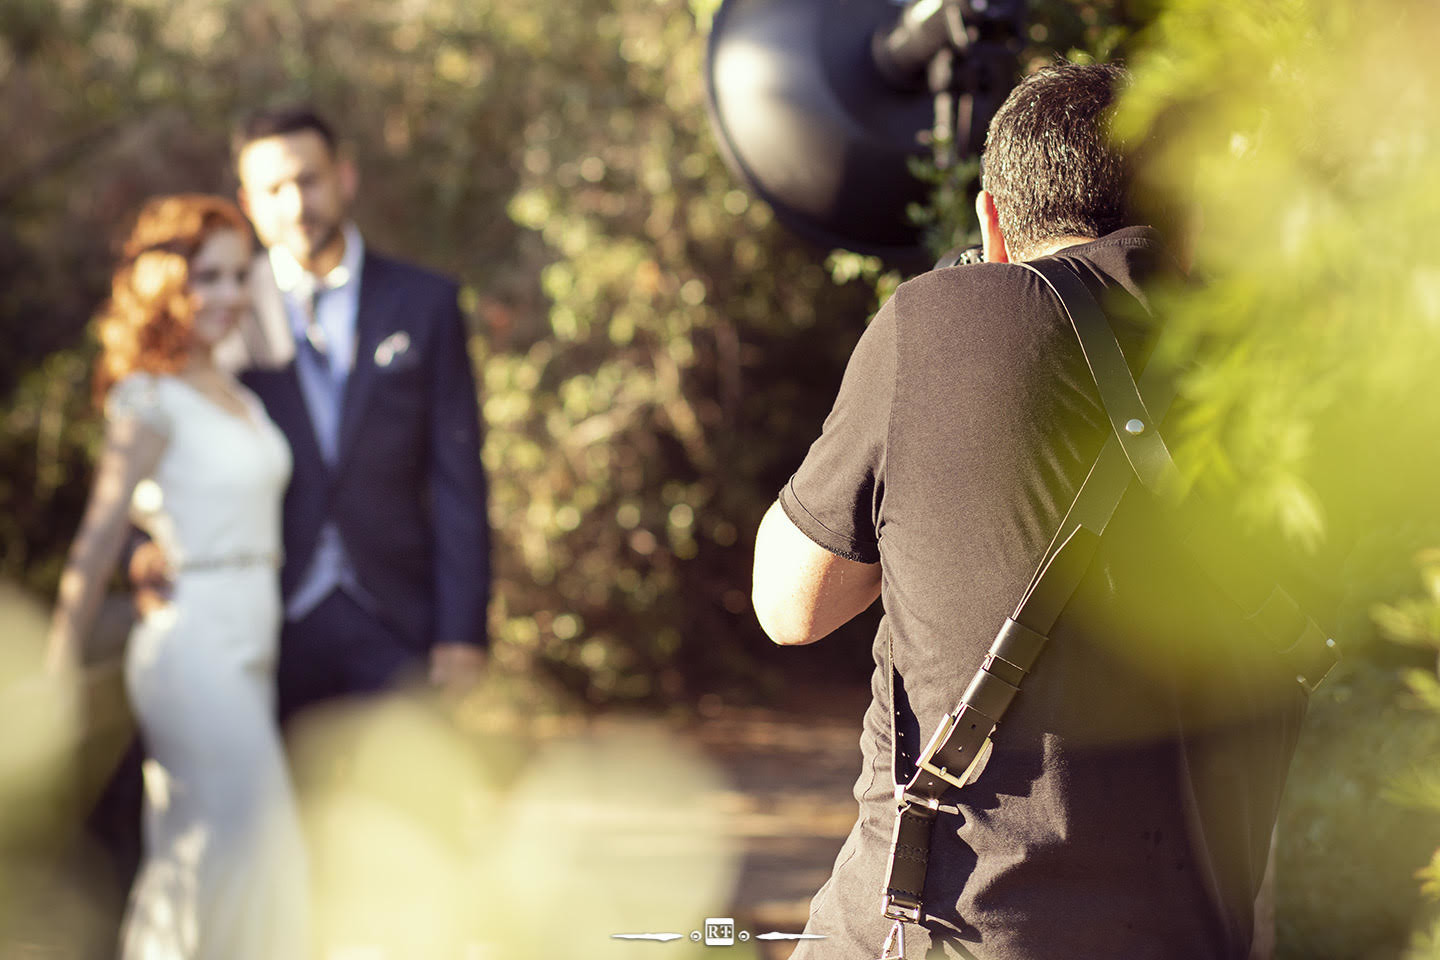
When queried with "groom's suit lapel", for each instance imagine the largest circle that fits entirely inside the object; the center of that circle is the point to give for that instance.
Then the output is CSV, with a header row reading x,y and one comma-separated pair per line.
x,y
288,409
369,330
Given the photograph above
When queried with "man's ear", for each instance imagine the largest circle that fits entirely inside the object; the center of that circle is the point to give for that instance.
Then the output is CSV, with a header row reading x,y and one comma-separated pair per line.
x,y
991,239
349,176
243,199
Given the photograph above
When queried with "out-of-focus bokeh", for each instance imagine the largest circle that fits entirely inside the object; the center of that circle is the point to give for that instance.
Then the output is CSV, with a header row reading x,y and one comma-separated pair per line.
x,y
418,851
1304,139
654,354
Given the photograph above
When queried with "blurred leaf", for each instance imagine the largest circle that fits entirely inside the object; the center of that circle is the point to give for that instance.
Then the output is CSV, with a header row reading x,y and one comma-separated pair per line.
x,y
1430,877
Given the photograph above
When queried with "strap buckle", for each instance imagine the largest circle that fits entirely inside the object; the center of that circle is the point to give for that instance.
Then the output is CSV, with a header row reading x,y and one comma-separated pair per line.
x,y
941,738
898,907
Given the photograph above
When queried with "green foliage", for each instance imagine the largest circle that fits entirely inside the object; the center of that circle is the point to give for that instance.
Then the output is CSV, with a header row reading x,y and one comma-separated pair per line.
x,y
1303,133
1415,622
948,220
1293,129
636,445
49,436
1087,30
1347,859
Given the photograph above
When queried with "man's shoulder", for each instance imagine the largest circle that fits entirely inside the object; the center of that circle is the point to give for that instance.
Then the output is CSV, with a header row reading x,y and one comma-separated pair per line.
x,y
403,272
966,277
966,295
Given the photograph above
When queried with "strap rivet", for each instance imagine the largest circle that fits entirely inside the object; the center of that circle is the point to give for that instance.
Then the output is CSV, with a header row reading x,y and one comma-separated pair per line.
x,y
1135,427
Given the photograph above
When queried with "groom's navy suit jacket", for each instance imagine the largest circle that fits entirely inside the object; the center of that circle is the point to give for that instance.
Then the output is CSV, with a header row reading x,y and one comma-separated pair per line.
x,y
407,490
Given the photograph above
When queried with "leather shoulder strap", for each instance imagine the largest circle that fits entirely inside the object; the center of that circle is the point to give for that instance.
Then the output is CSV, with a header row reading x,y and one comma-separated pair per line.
x,y
1134,423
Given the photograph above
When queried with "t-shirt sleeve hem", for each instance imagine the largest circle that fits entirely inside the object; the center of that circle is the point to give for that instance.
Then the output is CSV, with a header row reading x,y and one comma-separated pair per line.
x,y
823,536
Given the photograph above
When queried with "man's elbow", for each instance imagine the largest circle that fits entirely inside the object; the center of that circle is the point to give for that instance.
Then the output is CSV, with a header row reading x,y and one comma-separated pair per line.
x,y
780,620
788,589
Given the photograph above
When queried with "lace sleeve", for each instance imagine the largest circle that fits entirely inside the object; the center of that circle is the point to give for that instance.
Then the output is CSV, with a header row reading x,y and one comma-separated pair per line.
x,y
138,397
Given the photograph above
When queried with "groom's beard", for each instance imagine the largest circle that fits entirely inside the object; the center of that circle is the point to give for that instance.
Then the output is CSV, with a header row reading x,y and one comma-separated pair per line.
x,y
321,237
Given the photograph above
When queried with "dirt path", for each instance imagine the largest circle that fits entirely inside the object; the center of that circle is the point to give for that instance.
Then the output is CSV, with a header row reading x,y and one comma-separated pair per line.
x,y
791,770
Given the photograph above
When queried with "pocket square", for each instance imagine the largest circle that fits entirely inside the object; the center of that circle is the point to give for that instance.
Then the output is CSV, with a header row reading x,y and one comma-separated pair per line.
x,y
392,348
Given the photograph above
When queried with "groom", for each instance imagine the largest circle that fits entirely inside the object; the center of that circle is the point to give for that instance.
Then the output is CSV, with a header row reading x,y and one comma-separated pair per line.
x,y
361,361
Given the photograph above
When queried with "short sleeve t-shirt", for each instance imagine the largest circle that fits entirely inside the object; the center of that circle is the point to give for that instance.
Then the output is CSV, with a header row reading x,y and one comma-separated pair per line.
x,y
1127,807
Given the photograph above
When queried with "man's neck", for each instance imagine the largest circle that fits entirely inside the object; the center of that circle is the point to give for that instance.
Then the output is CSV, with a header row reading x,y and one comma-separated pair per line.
x,y
327,258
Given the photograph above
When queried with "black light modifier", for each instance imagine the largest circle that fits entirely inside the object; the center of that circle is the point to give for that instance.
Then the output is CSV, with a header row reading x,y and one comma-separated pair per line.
x,y
820,105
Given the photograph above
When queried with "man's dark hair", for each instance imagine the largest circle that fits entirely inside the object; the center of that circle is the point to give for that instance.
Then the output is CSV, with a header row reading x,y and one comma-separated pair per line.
x,y
277,122
1050,163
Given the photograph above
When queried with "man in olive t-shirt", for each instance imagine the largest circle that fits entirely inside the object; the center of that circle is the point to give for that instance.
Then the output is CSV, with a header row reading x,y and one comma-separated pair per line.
x,y
1127,807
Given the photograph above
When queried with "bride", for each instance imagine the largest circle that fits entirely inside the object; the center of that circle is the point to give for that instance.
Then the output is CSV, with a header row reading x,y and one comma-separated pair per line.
x,y
191,458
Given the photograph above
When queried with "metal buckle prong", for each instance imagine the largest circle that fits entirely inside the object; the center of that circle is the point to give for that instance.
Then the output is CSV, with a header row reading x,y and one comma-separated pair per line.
x,y
966,778
942,734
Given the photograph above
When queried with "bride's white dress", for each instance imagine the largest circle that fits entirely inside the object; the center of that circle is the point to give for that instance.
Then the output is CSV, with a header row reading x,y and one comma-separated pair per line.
x,y
224,869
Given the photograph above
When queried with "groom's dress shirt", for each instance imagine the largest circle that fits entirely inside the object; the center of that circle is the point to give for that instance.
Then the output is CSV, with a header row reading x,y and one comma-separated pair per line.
x,y
324,357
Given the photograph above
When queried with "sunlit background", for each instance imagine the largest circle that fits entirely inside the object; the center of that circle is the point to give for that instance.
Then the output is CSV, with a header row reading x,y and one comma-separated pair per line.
x,y
655,352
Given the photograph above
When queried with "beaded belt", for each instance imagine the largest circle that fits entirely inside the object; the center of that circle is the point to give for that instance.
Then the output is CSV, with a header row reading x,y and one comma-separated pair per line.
x,y
230,562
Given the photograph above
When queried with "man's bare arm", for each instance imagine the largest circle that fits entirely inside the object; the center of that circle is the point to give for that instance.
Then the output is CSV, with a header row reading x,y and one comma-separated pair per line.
x,y
802,591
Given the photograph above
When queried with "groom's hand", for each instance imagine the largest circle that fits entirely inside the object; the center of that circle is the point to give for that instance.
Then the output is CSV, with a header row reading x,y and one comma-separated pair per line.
x,y
456,667
150,578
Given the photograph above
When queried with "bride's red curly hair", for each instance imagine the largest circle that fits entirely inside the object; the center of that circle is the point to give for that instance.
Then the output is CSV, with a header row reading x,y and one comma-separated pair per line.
x,y
145,326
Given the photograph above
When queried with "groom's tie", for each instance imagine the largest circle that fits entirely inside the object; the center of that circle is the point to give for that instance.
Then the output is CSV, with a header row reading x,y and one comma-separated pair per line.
x,y
327,378
315,334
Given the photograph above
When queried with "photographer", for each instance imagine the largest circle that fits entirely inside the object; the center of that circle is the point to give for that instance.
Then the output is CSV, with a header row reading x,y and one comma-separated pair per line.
x,y
1126,808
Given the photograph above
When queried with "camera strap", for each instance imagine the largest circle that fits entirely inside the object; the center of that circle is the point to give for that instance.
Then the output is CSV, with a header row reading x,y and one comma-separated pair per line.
x,y
1134,449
